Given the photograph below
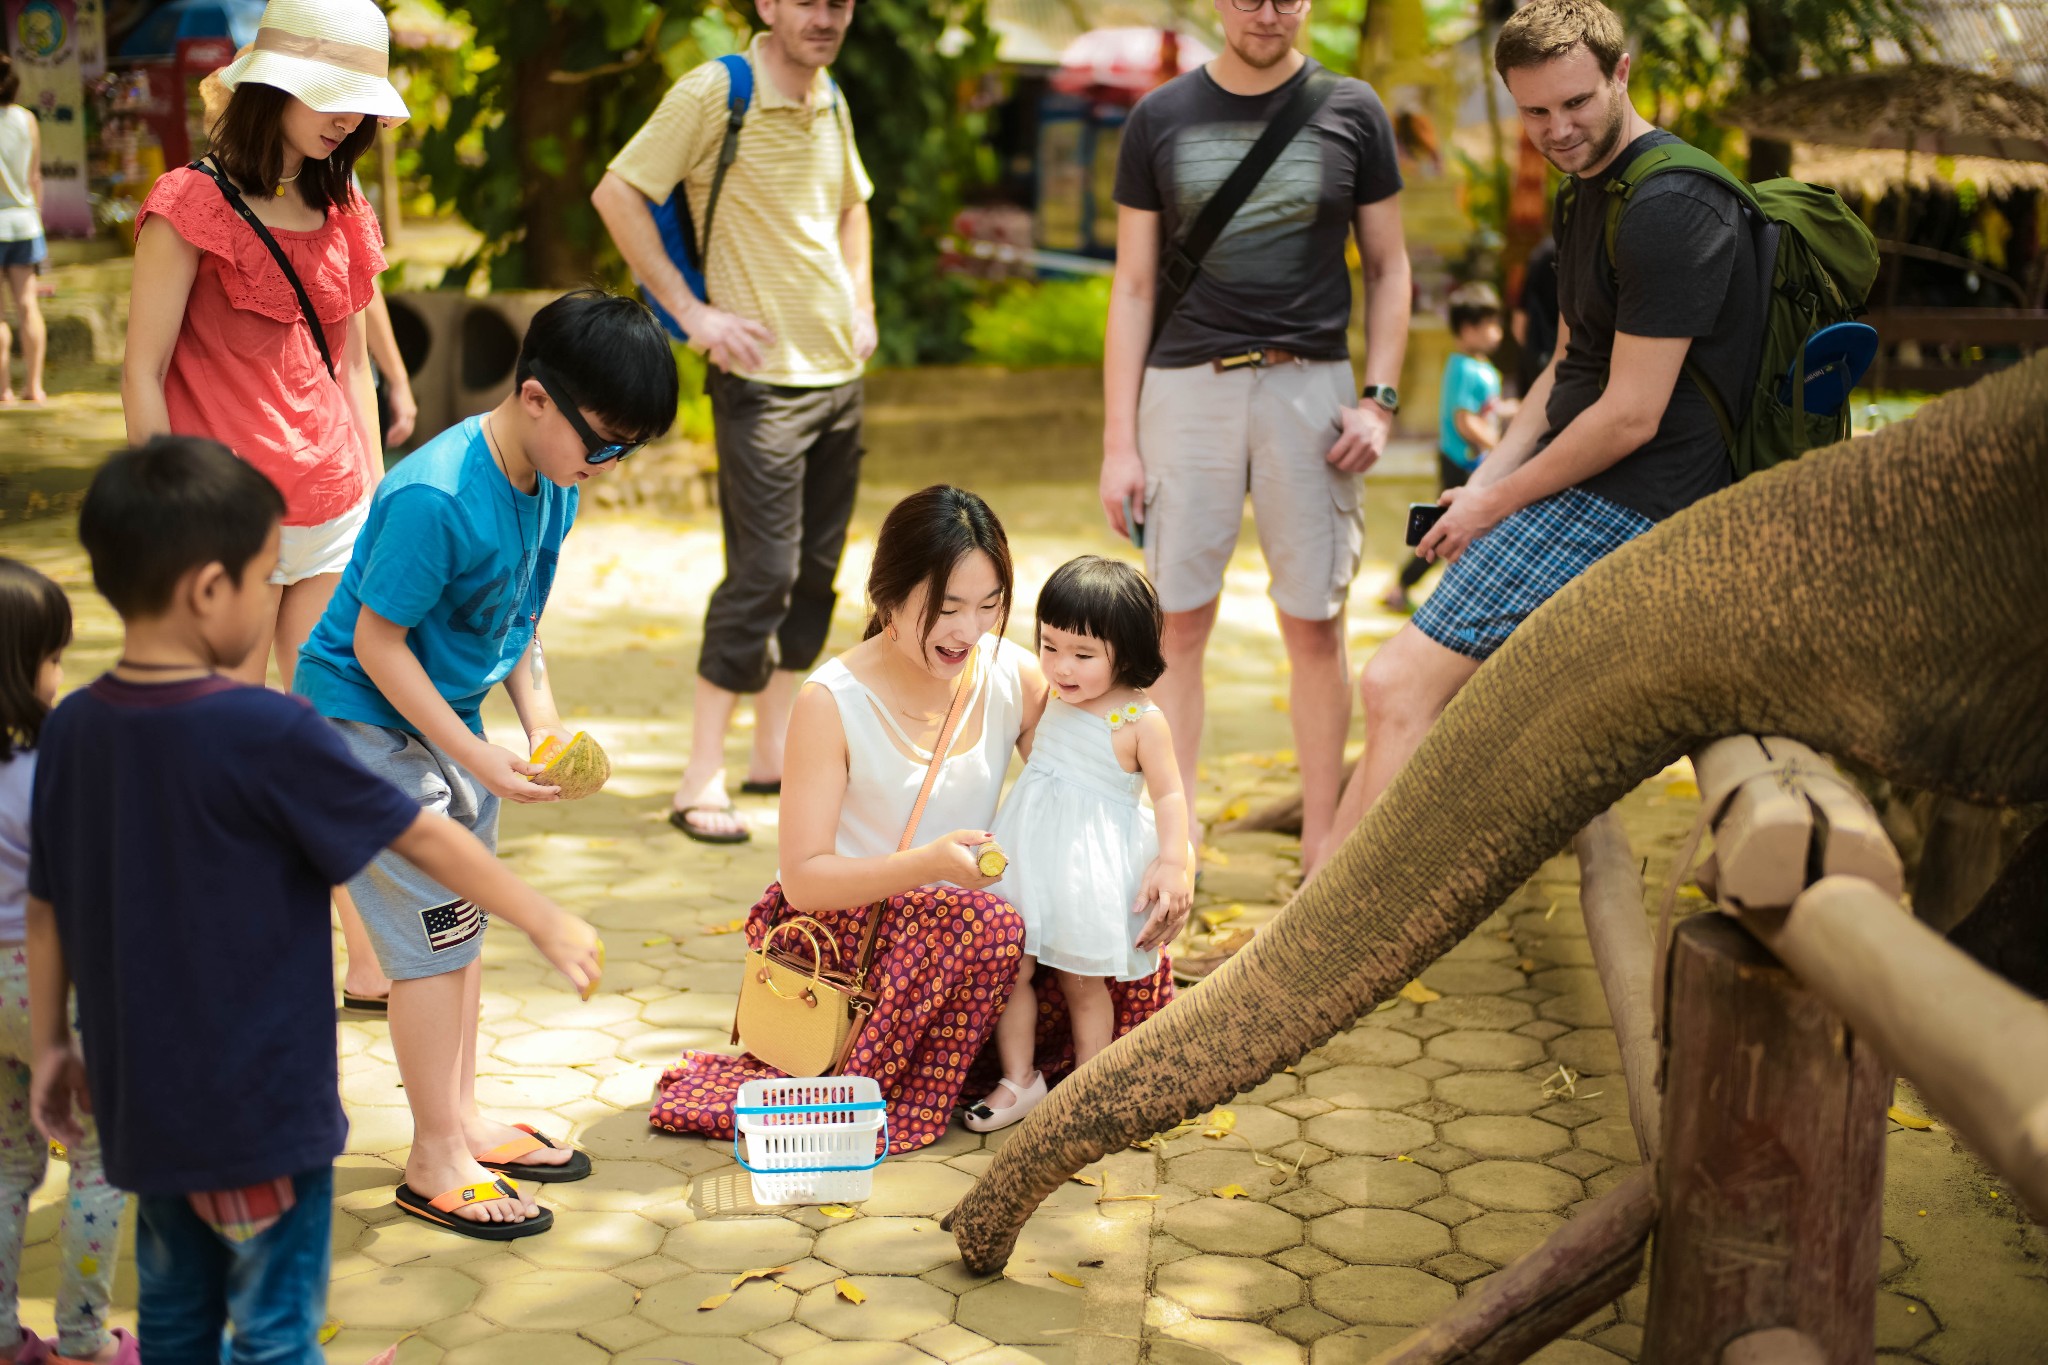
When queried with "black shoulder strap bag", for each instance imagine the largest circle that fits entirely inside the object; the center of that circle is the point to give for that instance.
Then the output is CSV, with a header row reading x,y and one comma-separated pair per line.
x,y
248,215
1182,261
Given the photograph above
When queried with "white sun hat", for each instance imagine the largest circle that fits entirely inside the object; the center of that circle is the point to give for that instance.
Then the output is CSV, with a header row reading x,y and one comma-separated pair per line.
x,y
333,54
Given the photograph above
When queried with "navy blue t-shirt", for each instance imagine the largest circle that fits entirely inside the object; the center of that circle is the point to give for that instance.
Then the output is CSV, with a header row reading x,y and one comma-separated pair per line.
x,y
187,834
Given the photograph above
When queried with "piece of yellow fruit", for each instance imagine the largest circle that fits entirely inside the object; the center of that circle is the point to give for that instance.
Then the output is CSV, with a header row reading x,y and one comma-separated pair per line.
x,y
579,768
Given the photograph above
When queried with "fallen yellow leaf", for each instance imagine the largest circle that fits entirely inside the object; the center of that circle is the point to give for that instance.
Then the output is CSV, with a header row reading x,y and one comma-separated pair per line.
x,y
837,1211
1215,857
1221,1123
1528,964
329,1330
1123,1198
1906,1120
848,1290
765,1272
1230,1192
731,926
1419,993
1219,914
1404,1157
714,1301
1683,788
1087,1179
654,942
1281,704
1235,810
1285,756
1064,1278
1551,911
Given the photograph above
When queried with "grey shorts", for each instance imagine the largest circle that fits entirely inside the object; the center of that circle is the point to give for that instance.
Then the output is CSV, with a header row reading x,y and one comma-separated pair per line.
x,y
1207,440
419,927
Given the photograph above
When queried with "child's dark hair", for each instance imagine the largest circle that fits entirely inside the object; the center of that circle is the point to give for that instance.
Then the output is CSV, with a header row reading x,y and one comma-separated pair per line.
x,y
248,141
168,506
35,622
10,79
922,540
613,356
1113,602
1473,303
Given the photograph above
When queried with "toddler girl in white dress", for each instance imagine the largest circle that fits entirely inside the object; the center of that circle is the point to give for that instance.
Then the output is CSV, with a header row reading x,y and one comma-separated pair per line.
x,y
1087,860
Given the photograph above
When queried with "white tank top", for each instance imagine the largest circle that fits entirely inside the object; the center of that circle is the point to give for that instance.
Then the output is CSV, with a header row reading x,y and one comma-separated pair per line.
x,y
884,769
18,220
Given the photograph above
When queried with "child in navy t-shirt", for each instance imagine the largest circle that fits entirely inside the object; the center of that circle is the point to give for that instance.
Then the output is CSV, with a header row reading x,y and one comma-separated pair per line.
x,y
186,831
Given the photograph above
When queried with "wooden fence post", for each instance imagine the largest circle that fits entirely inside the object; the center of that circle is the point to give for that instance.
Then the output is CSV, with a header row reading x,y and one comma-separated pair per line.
x,y
1772,1176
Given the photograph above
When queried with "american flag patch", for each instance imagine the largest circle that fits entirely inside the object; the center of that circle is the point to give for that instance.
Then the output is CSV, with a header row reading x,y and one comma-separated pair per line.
x,y
452,925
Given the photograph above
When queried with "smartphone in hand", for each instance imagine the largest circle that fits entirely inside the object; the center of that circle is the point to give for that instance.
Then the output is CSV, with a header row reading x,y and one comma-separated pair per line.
x,y
1422,516
1133,528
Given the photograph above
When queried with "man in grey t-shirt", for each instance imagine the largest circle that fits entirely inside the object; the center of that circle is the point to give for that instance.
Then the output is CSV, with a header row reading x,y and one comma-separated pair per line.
x,y
1249,384
1612,437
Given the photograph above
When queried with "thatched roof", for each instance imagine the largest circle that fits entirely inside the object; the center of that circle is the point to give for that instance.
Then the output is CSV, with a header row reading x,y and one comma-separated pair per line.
x,y
1938,110
1872,173
2007,38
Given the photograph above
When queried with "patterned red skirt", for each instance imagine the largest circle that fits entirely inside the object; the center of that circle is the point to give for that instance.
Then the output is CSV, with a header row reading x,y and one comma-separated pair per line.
x,y
945,959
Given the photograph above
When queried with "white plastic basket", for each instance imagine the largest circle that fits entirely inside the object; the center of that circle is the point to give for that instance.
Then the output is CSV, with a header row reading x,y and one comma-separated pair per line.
x,y
811,1139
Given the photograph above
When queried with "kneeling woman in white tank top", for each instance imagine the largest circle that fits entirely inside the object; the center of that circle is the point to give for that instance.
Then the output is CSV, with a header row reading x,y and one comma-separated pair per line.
x,y
860,741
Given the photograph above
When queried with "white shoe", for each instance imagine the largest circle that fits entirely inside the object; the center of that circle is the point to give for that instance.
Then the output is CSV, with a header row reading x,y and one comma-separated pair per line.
x,y
1023,1099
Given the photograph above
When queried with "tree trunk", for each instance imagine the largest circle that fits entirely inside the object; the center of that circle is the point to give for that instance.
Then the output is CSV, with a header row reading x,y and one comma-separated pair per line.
x,y
1773,57
1772,1178
557,251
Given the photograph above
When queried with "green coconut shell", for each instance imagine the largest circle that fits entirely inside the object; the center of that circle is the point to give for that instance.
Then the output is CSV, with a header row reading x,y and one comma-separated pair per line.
x,y
580,770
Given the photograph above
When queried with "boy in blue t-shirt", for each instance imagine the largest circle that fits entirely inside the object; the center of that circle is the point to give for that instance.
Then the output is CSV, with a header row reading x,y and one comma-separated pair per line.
x,y
440,603
186,829
1469,411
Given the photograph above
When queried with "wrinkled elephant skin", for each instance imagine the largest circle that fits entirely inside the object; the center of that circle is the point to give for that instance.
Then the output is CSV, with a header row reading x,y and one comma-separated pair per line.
x,y
1884,600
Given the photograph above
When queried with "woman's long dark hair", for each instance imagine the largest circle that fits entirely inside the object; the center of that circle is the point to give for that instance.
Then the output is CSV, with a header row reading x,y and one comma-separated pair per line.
x,y
248,139
35,622
923,539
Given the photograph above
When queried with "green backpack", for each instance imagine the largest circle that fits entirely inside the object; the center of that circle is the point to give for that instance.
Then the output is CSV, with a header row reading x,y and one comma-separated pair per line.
x,y
1824,260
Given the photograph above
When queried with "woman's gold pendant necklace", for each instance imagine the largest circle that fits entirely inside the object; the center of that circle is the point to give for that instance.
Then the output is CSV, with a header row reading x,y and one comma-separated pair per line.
x,y
288,180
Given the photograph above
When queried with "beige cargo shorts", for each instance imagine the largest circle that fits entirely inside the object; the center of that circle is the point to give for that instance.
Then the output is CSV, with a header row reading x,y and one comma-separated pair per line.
x,y
1207,439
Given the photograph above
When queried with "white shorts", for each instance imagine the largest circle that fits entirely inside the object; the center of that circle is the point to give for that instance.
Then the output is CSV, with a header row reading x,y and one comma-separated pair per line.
x,y
308,551
1208,439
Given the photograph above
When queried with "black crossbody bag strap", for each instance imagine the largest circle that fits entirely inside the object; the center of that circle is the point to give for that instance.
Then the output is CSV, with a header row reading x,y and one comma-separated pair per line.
x,y
1182,261
248,215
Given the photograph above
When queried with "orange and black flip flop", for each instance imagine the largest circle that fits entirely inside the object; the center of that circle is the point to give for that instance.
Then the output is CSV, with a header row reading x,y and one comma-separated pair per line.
x,y
441,1211
504,1158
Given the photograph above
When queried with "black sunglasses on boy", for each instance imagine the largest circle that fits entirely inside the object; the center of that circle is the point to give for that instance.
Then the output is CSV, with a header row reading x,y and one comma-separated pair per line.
x,y
596,450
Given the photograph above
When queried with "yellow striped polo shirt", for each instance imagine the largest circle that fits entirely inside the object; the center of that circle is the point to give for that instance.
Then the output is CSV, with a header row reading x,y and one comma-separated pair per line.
x,y
774,251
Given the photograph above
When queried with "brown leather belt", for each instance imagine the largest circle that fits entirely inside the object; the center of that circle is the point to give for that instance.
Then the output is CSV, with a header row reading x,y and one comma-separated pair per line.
x,y
1258,358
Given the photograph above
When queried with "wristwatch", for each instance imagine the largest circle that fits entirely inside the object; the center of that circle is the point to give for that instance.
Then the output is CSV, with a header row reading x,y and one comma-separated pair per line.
x,y
1383,394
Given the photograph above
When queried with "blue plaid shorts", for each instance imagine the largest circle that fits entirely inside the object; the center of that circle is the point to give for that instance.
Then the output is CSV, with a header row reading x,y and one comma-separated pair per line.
x,y
1519,565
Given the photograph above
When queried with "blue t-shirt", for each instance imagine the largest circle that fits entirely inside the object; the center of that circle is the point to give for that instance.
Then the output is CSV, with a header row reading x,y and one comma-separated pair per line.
x,y
187,834
460,558
1470,385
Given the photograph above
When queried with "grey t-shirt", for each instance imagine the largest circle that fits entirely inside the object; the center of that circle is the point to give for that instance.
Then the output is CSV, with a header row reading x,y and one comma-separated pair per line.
x,y
1685,266
1276,276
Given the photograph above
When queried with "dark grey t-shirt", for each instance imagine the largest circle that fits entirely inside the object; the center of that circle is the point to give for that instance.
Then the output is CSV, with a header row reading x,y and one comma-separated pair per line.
x,y
1685,266
1276,277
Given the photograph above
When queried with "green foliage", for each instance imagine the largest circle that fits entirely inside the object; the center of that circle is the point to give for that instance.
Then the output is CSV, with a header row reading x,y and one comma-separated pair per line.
x,y
1058,322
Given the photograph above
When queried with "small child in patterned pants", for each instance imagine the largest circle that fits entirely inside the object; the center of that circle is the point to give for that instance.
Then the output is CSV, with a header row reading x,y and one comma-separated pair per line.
x,y
35,625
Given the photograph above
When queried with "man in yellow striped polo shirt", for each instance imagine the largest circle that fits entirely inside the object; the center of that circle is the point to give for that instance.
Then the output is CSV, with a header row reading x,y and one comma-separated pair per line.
x,y
789,323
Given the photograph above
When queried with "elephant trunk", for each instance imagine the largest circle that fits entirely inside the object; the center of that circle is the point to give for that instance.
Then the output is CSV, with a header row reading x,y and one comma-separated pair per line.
x,y
1879,600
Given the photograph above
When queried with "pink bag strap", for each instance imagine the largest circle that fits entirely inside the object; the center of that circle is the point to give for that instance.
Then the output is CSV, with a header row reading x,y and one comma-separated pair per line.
x,y
946,733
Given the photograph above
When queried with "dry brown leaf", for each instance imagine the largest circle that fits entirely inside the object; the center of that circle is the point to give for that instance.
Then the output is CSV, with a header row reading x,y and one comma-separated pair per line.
x,y
1906,1120
1064,1278
1419,993
837,1211
763,1273
714,1301
1230,1191
1092,1262
731,926
848,1290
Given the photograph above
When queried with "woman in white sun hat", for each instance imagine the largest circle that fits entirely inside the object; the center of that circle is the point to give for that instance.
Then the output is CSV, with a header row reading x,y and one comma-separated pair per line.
x,y
220,342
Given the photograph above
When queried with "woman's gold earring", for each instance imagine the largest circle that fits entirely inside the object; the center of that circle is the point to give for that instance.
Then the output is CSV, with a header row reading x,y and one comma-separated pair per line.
x,y
890,630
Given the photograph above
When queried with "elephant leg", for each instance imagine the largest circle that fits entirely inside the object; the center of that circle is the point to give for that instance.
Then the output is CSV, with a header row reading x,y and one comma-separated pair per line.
x,y
1879,600
2008,931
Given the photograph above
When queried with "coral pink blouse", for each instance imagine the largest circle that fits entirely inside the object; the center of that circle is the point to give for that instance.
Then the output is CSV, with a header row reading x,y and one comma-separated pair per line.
x,y
245,370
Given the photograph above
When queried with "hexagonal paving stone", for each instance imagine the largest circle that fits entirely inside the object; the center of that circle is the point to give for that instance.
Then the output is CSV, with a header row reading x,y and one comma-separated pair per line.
x,y
887,1246
698,1351
951,1342
1258,1125
1235,1287
1479,1011
1515,1186
556,1300
1588,1051
1613,1138
1486,1050
923,1189
622,1187
1492,1092
733,1244
1208,1341
528,1348
672,1305
1358,1346
1233,1226
1501,1237
1369,1182
1574,1353
1367,1087
1368,1132
1507,1135
1472,978
1020,1314
1371,1047
1579,1009
895,1310
1217,1165
592,1241
1449,1210
1458,1268
1380,1236
1394,1295
556,1047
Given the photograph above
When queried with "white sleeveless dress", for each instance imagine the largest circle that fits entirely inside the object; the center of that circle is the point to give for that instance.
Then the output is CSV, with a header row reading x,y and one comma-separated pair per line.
x,y
1079,842
885,769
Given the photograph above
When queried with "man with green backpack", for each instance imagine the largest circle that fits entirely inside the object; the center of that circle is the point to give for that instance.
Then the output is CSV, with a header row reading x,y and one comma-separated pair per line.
x,y
1687,300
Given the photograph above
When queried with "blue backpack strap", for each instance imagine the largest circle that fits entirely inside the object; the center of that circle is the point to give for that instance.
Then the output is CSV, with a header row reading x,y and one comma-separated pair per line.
x,y
685,246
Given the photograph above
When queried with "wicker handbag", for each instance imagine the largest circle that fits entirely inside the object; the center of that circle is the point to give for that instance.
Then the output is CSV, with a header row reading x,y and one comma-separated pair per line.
x,y
798,1014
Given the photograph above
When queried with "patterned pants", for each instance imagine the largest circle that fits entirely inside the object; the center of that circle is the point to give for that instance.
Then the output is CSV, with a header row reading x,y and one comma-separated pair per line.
x,y
92,1217
945,959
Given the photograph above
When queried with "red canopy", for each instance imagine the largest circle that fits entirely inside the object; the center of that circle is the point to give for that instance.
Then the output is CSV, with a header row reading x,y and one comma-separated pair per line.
x,y
1127,61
